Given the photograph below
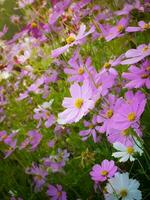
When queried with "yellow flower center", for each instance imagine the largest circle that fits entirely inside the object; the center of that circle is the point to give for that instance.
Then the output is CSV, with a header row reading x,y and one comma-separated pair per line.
x,y
125,132
123,193
120,28
91,126
146,26
145,48
145,76
4,137
109,113
33,25
39,177
59,194
78,103
148,68
70,39
80,71
104,173
130,150
131,116
107,65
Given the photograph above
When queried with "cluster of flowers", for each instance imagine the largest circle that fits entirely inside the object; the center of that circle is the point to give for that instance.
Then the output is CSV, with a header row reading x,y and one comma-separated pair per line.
x,y
117,99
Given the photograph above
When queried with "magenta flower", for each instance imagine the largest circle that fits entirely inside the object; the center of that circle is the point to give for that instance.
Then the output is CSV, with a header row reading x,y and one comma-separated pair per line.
x,y
138,76
135,55
92,131
102,172
73,40
33,139
130,111
78,105
142,27
79,70
56,193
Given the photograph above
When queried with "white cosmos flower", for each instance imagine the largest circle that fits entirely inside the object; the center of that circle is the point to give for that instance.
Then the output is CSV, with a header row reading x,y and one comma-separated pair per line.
x,y
126,152
123,188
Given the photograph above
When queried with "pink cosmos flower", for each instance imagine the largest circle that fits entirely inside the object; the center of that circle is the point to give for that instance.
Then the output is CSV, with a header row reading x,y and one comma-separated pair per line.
x,y
92,131
123,136
102,172
135,55
79,69
130,111
142,27
138,76
56,193
73,40
78,105
103,81
109,108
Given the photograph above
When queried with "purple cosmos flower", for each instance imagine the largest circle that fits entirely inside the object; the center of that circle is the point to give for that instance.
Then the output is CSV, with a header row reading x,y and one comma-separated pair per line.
x,y
73,40
103,81
115,31
4,31
42,113
58,10
79,70
58,161
142,27
56,193
129,7
109,66
138,76
32,139
92,131
109,107
135,55
130,111
12,147
10,142
78,105
102,172
39,174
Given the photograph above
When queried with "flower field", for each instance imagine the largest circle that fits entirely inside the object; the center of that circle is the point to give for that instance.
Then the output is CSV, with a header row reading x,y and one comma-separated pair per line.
x,y
74,100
